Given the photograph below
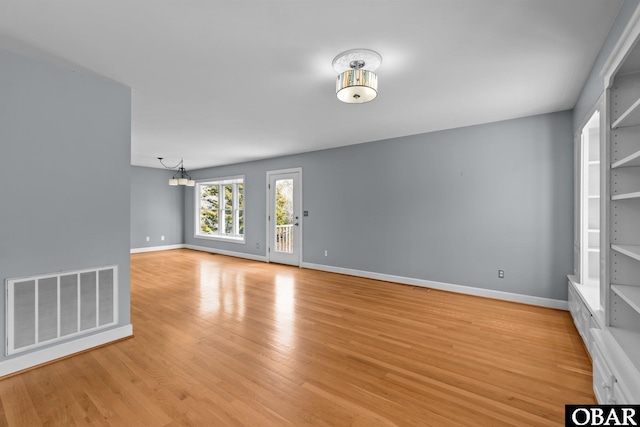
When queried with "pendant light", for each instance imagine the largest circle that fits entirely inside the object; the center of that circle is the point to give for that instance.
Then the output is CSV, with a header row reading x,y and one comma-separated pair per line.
x,y
181,177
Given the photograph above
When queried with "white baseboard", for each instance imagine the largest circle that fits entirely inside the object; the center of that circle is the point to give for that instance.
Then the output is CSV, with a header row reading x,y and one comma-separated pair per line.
x,y
156,248
469,290
230,253
29,360
487,293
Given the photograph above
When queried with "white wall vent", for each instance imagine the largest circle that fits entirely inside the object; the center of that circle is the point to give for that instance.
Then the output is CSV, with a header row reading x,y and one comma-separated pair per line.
x,y
43,309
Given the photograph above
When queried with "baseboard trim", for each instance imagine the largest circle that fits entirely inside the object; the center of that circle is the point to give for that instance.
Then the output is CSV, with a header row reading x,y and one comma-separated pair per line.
x,y
487,293
46,355
156,248
461,289
229,253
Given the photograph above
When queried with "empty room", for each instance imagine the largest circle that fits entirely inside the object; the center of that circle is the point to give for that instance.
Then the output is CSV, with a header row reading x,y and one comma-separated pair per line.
x,y
354,213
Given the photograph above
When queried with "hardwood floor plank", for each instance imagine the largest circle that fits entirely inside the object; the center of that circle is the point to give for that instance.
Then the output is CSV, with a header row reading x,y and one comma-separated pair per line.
x,y
231,342
49,402
19,407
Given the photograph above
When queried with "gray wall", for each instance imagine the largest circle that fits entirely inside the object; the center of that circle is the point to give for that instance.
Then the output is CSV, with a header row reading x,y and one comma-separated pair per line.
x,y
156,208
65,150
451,206
594,86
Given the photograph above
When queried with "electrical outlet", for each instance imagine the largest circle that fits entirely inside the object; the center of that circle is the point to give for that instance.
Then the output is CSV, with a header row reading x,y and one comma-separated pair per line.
x,y
501,274
161,237
147,238
326,253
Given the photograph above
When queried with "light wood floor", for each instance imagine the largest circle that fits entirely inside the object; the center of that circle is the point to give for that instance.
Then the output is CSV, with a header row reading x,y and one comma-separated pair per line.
x,y
224,341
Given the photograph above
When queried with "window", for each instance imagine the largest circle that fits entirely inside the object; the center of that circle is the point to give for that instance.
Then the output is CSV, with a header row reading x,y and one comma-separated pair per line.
x,y
220,209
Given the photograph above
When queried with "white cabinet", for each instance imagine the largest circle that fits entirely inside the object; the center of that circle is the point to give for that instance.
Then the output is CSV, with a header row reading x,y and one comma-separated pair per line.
x,y
620,395
584,317
603,378
616,380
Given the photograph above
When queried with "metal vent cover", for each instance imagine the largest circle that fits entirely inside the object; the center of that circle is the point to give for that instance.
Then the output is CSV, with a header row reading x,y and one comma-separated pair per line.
x,y
47,308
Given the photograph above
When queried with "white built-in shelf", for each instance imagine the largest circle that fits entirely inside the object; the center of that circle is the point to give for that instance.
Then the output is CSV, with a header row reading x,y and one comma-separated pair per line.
x,y
593,230
593,250
631,295
632,160
632,251
594,162
631,117
630,343
594,196
624,196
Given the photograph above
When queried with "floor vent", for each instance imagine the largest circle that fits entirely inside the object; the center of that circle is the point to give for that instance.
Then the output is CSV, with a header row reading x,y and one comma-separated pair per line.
x,y
41,310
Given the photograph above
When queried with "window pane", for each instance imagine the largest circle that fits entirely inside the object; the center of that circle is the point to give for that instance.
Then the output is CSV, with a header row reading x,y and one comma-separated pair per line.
x,y
284,201
228,221
241,222
241,196
228,196
209,196
209,203
209,221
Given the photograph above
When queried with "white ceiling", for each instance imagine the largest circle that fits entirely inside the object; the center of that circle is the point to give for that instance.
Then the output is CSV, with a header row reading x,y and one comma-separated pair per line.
x,y
220,82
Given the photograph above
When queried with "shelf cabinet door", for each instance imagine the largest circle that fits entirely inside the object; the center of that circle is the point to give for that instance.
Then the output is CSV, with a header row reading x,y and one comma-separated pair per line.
x,y
603,378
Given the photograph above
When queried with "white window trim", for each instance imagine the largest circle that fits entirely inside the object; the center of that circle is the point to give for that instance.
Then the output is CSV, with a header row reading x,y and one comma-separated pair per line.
x,y
197,200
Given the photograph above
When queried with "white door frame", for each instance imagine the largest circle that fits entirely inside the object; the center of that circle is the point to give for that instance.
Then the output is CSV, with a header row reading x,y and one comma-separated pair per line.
x,y
297,194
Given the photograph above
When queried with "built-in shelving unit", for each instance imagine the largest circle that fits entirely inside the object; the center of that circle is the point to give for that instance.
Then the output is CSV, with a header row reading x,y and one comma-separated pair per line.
x,y
630,343
590,185
632,251
629,161
623,196
630,294
630,117
617,355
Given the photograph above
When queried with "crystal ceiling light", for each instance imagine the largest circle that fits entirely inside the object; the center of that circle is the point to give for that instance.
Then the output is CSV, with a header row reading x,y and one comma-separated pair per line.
x,y
357,82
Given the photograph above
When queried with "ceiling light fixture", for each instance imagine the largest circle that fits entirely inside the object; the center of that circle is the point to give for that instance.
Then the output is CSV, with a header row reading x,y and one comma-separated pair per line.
x,y
357,82
181,177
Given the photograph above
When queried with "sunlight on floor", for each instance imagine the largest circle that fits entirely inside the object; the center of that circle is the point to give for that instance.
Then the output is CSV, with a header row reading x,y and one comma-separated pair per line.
x,y
220,289
285,309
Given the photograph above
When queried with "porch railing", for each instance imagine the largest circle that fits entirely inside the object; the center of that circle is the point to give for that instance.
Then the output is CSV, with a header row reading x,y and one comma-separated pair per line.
x,y
284,238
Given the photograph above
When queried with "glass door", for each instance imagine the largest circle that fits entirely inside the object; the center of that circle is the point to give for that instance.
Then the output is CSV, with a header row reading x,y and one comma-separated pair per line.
x,y
283,221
